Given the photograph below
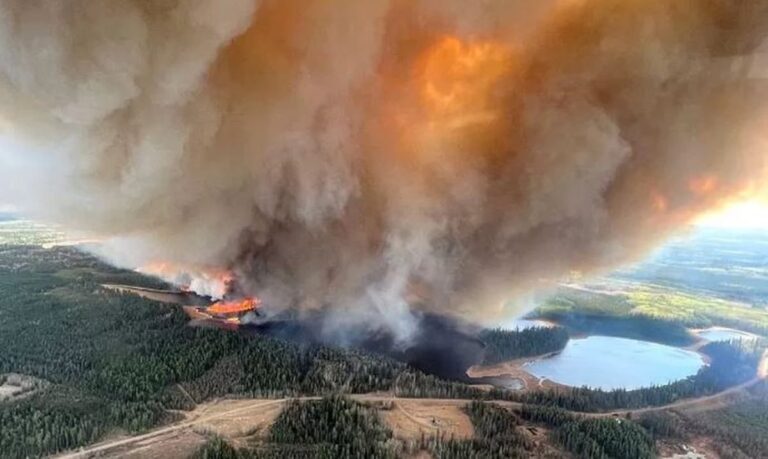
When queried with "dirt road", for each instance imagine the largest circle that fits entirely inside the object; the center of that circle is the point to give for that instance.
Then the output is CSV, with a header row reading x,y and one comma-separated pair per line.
x,y
105,446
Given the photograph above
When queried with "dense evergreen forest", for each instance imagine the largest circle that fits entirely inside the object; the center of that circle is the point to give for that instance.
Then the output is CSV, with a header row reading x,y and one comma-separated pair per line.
x,y
116,361
333,427
502,345
732,363
638,326
593,437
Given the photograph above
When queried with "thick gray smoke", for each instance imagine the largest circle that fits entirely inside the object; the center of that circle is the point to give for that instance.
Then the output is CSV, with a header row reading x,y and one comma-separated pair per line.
x,y
377,156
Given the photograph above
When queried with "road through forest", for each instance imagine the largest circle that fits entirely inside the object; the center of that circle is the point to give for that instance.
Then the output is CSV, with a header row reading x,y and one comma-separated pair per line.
x,y
704,403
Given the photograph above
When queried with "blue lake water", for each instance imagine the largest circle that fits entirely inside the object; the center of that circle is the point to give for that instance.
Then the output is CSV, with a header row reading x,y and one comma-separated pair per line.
x,y
724,334
611,363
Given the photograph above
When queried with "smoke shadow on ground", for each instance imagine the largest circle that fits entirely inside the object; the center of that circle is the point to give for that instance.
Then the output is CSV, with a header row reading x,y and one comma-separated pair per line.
x,y
440,347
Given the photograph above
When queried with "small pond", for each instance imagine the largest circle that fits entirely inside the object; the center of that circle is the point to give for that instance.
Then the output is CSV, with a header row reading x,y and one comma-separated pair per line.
x,y
611,363
724,334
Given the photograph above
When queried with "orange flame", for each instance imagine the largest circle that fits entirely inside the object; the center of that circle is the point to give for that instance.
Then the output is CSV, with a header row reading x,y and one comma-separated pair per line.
x,y
234,307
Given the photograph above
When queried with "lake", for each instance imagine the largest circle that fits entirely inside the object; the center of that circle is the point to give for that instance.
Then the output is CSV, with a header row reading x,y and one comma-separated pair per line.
x,y
607,363
724,334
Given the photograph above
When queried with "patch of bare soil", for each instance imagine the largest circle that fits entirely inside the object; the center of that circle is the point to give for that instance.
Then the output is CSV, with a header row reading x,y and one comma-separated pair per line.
x,y
240,426
697,449
233,419
14,386
513,369
410,419
179,444
420,455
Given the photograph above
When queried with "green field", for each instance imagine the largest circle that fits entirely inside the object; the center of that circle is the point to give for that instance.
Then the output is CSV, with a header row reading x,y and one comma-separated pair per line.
x,y
646,301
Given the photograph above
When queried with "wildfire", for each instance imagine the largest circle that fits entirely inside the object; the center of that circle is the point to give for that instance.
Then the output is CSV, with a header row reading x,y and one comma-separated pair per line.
x,y
247,304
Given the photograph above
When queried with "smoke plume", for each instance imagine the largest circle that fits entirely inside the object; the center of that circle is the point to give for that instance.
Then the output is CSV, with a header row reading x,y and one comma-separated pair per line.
x,y
375,157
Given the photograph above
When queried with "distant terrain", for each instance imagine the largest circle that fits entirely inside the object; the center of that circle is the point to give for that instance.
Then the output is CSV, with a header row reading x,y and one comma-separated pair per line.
x,y
24,232
726,263
718,277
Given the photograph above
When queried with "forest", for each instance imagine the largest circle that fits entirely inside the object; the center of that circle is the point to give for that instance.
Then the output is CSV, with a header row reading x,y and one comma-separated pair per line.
x,y
606,437
114,360
336,427
331,427
502,345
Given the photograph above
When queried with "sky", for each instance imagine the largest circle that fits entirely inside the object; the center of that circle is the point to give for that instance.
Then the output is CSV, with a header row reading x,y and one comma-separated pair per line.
x,y
751,213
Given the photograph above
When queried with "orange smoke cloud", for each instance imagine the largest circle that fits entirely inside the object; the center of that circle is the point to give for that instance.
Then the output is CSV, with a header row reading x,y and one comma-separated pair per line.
x,y
348,154
459,77
703,185
659,202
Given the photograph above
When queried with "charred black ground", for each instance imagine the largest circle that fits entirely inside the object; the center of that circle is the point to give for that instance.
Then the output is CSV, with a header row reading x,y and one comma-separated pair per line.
x,y
441,347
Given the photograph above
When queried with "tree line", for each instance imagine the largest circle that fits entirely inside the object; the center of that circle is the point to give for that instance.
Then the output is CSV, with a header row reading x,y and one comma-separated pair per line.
x,y
502,345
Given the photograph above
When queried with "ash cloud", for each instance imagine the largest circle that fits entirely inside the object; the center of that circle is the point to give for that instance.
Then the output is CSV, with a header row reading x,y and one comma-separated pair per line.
x,y
375,157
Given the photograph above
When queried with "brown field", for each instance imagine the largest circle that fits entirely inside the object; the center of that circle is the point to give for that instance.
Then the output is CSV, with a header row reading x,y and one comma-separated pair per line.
x,y
410,419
